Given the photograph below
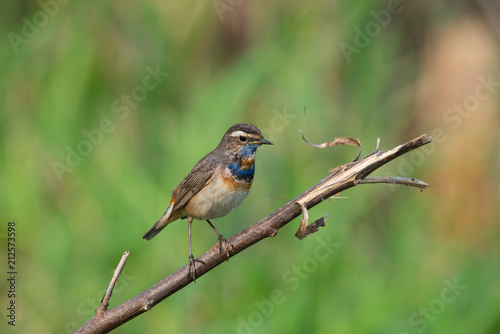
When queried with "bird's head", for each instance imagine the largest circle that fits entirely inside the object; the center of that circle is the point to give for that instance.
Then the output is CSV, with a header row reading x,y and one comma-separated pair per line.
x,y
242,140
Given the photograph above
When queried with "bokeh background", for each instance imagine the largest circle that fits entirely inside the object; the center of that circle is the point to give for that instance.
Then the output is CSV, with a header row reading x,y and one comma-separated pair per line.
x,y
105,107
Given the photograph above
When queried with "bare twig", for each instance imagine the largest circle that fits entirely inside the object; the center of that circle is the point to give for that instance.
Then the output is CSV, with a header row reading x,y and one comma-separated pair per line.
x,y
107,296
395,180
345,177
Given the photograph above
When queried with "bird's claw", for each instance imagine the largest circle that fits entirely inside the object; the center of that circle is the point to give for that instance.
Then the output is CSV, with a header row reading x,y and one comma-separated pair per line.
x,y
192,267
223,243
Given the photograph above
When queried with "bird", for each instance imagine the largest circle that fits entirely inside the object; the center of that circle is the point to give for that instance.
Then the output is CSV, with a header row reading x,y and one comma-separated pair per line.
x,y
216,185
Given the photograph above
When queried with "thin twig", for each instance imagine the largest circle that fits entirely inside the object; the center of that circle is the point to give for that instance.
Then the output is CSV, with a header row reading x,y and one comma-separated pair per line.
x,y
406,181
107,296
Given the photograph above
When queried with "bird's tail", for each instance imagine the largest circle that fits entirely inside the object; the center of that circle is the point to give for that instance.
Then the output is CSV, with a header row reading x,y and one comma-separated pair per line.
x,y
160,224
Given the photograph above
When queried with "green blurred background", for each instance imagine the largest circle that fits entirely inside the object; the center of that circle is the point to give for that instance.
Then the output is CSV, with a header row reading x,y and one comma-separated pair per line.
x,y
400,260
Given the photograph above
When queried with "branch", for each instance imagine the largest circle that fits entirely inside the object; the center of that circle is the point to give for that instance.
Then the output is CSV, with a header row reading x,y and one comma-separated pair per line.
x,y
343,177
405,181
107,296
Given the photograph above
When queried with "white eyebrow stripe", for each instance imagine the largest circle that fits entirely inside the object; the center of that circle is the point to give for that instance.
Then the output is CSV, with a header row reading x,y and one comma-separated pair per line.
x,y
238,133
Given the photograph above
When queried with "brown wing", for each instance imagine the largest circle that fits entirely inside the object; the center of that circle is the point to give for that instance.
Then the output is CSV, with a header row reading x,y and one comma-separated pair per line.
x,y
199,177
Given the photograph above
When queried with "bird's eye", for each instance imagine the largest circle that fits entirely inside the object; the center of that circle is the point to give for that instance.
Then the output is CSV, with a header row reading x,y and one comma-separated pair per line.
x,y
243,139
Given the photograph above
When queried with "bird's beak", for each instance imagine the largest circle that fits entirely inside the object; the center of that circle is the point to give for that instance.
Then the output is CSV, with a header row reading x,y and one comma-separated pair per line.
x,y
265,142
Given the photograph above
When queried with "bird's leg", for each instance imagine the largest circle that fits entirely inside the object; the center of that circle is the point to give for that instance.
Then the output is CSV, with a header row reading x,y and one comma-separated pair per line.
x,y
222,241
192,260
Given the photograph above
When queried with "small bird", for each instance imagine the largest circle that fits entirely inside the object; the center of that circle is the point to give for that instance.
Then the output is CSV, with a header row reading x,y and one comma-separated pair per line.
x,y
216,185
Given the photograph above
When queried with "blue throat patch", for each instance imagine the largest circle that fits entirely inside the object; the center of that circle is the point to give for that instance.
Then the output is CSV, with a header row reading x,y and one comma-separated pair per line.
x,y
237,171
240,173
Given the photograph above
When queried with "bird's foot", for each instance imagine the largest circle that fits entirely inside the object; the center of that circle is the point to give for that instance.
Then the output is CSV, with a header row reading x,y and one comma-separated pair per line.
x,y
224,243
192,266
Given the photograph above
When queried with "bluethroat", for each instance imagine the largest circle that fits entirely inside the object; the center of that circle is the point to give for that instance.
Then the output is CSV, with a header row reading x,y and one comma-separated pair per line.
x,y
216,185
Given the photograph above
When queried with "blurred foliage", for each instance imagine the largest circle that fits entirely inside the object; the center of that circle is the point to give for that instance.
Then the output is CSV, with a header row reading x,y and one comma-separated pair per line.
x,y
67,69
